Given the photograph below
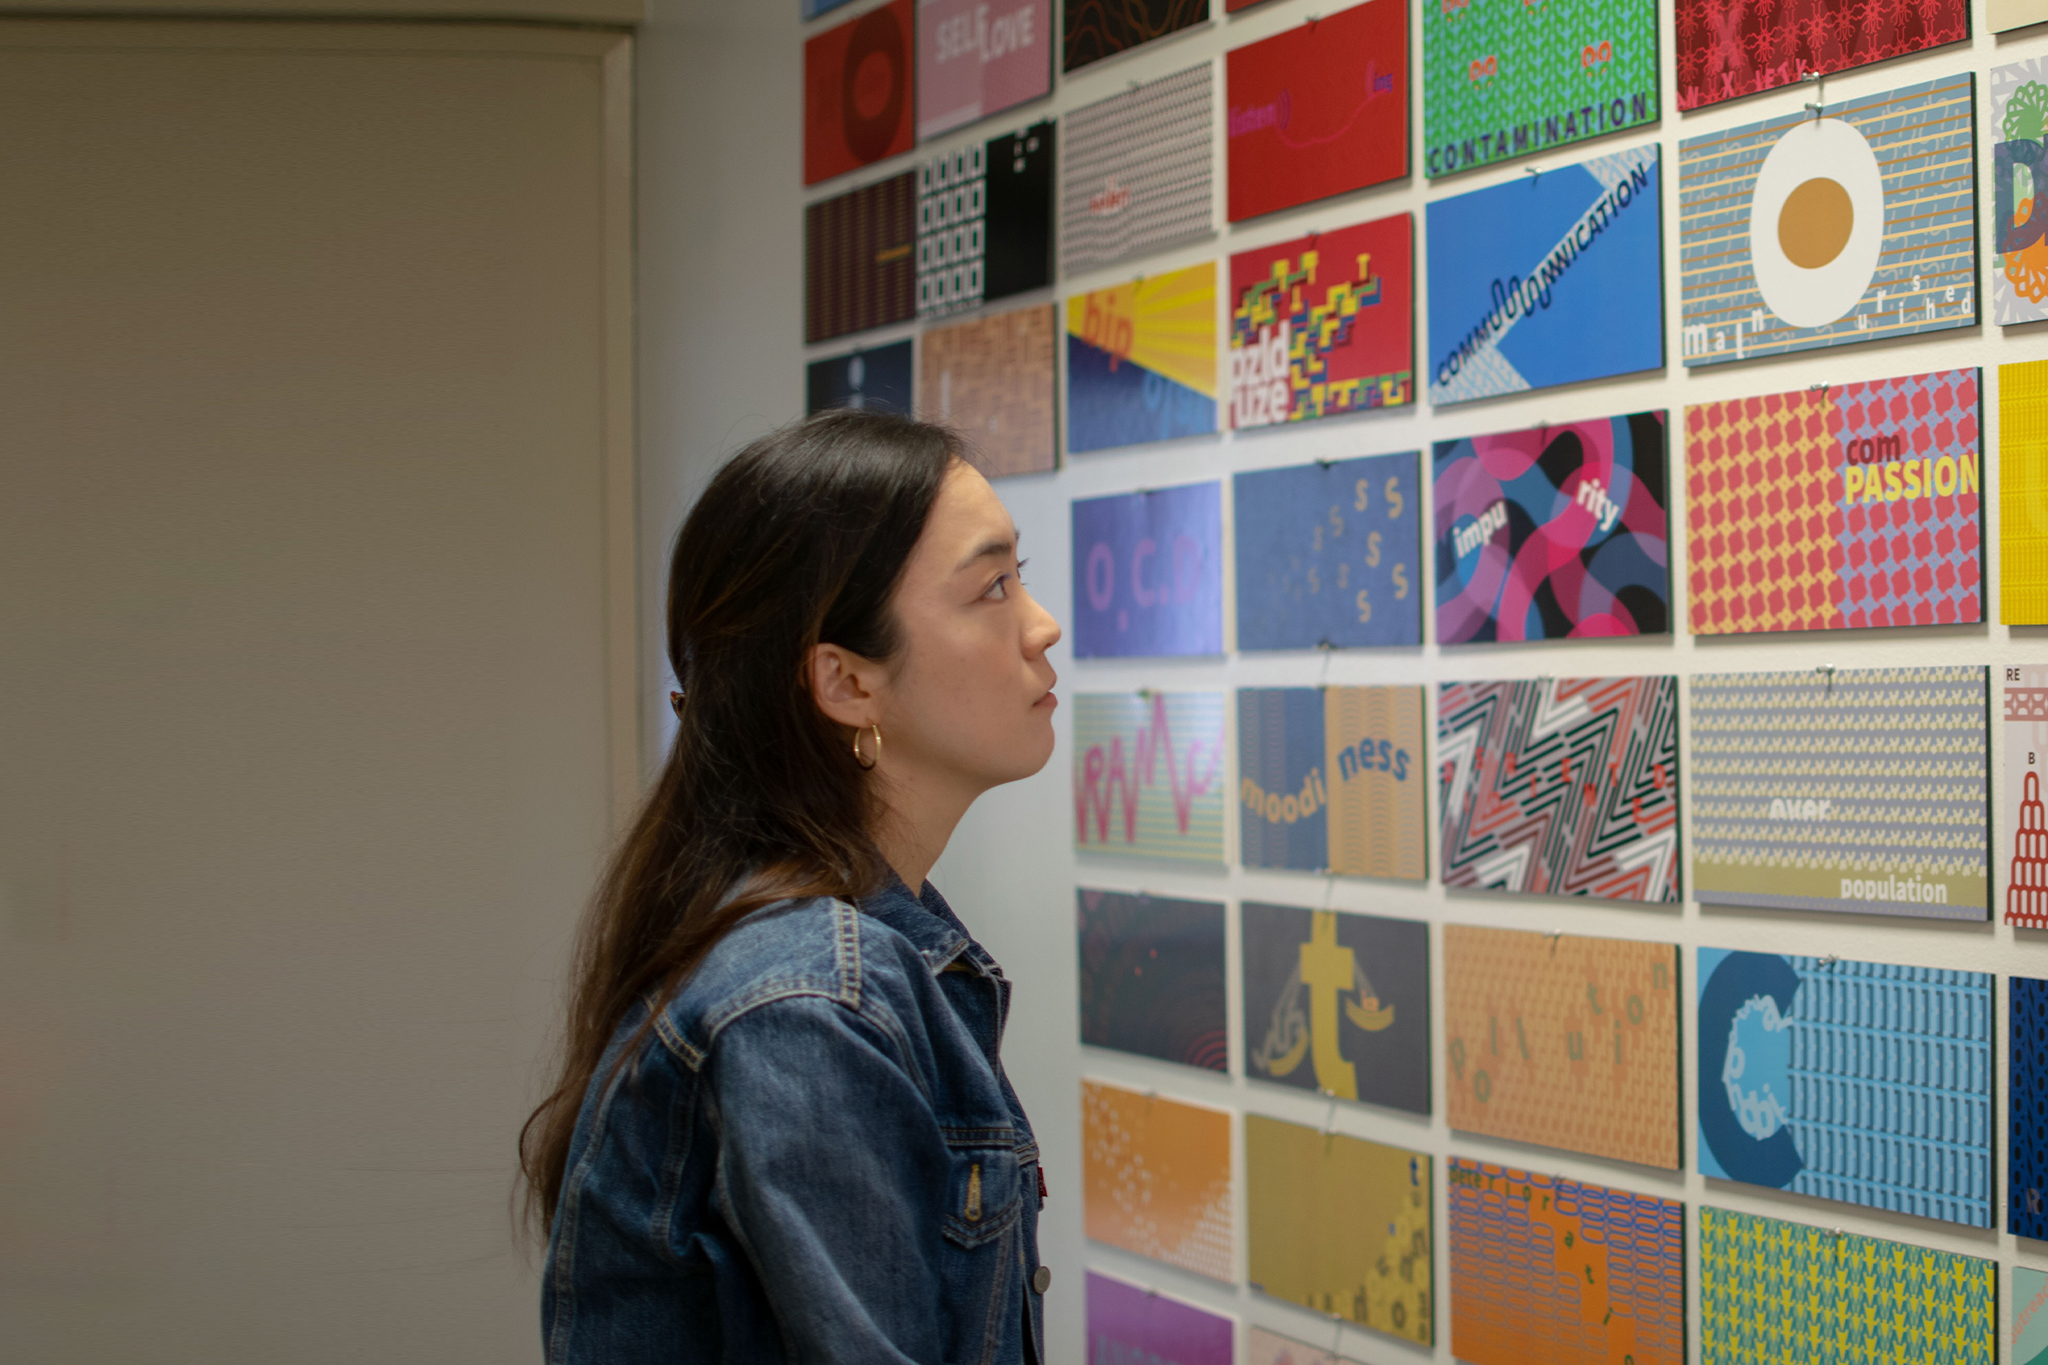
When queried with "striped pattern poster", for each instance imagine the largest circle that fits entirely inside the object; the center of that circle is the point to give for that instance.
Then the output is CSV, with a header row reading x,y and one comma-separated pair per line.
x,y
1860,790
1331,779
859,259
1557,1270
1798,232
1149,774
1141,360
1155,1178
1137,171
2023,493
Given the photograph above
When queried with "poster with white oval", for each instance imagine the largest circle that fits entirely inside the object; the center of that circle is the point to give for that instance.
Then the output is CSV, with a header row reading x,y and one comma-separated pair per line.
x,y
1853,223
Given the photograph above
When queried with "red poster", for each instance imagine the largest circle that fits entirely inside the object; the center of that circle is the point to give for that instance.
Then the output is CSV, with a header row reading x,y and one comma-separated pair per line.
x,y
857,92
1730,48
1320,109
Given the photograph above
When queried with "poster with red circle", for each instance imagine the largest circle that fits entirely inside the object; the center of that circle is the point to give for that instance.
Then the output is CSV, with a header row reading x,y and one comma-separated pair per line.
x,y
858,105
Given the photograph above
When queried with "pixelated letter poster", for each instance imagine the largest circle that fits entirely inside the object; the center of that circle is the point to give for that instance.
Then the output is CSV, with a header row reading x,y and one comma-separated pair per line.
x,y
1149,774
1148,572
2023,493
1156,1178
1127,1323
1329,554
2028,1344
1151,971
1564,1041
1141,360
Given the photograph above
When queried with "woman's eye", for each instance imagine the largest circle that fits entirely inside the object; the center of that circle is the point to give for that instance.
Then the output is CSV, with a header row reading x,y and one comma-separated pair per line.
x,y
996,591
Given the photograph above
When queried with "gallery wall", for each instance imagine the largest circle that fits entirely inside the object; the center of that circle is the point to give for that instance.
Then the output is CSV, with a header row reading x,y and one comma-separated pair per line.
x,y
723,359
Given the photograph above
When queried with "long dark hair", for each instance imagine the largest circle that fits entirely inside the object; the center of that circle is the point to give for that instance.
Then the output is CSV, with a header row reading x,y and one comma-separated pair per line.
x,y
800,539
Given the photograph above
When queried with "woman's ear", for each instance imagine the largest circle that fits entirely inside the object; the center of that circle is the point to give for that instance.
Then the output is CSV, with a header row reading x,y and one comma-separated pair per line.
x,y
842,685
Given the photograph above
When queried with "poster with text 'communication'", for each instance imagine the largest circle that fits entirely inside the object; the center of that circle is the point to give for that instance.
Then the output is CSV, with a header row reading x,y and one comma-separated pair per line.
x,y
1329,554
1156,1178
1149,774
1151,973
1148,572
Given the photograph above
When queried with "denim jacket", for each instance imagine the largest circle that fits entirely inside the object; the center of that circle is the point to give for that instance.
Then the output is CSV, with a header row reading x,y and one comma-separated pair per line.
x,y
814,1156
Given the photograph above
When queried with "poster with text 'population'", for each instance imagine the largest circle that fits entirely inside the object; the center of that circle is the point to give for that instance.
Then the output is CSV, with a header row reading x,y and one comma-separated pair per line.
x,y
1331,779
1156,1178
1149,774
1329,554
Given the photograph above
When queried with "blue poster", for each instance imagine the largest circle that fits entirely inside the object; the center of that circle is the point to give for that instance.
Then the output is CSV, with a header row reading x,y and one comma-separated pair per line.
x,y
813,8
1550,279
1280,750
1330,554
877,380
2027,1109
1148,573
1857,1081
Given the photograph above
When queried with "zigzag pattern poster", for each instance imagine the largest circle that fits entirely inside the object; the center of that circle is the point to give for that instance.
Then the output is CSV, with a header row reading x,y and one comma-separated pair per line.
x,y
1793,1096
1861,790
1854,505
1149,774
1561,786
1549,279
1141,360
1800,232
1329,554
1554,532
1330,779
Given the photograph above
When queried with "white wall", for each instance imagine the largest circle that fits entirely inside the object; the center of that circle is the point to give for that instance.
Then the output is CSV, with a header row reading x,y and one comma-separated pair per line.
x,y
722,358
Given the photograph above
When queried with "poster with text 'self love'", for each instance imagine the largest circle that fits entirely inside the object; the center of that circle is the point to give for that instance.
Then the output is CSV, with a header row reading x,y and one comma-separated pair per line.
x,y
975,59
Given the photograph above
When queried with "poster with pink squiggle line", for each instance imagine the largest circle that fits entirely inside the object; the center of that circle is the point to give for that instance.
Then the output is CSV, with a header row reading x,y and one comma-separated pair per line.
x,y
1149,774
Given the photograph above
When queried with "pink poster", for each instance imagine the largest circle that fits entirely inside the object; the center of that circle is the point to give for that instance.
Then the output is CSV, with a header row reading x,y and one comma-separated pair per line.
x,y
979,57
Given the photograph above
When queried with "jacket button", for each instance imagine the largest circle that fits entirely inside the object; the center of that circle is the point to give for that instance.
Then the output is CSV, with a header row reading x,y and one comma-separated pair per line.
x,y
1041,1279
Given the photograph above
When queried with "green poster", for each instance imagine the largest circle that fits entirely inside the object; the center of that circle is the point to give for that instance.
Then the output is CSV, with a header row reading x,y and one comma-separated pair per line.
x,y
1510,78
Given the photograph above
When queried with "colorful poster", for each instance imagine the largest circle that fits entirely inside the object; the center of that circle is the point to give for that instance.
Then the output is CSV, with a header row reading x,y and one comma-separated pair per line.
x,y
1141,360
1324,324
975,59
1270,1348
857,92
1731,48
2018,241
1152,977
1793,1096
1564,1041
1550,279
1330,779
1836,508
2026,757
1561,786
993,379
1554,533
1338,1004
858,266
1501,80
2029,1340
1137,171
1329,555
2027,1100
1127,1324
876,380
1545,1268
1772,1290
1318,109
1155,1178
1862,790
1340,1225
984,221
2023,493
1148,774
2000,16
1799,232
1148,572
1094,29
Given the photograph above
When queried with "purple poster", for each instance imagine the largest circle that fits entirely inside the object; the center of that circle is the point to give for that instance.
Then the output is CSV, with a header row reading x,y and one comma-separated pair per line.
x,y
1148,573
1127,1324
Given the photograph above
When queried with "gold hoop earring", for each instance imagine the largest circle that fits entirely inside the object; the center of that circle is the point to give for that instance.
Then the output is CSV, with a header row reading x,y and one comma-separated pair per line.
x,y
867,763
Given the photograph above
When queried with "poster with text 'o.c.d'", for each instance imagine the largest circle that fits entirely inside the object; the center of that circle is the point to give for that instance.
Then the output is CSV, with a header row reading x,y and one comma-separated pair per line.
x,y
975,59
858,91
1329,555
1141,360
1798,232
1148,572
1331,778
1156,1178
1546,280
1861,790
1847,506
1149,774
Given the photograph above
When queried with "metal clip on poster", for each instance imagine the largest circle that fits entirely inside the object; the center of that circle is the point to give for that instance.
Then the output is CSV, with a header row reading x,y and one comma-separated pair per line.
x,y
1829,670
1330,1121
1819,93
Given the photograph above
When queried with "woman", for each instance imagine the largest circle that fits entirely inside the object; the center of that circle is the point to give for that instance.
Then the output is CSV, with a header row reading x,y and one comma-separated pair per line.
x,y
782,1130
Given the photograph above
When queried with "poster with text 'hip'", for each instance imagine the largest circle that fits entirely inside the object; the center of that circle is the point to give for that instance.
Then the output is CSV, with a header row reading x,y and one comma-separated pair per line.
x,y
1127,1323
1549,279
1794,1096
975,59
2025,826
1329,555
1731,48
1860,790
1155,1178
1330,779
1799,232
1137,170
1149,774
1563,1041
2023,493
1148,572
1151,971
1141,360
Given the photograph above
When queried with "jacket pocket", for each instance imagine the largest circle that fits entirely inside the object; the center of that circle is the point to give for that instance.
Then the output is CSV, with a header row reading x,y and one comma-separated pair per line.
x,y
985,1191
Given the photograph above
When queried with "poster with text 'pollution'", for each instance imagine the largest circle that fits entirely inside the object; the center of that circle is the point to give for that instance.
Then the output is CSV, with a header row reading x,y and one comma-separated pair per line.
x,y
1548,279
1860,790
1148,572
1798,232
1847,506
1127,1324
1731,48
1155,1178
1141,360
1149,774
1152,977
1329,555
1331,778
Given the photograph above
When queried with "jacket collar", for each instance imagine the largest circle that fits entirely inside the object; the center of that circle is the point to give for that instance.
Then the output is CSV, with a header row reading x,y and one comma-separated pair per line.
x,y
927,921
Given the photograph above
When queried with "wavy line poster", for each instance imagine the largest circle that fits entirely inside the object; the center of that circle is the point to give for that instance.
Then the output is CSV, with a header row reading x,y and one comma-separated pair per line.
x,y
1148,572
1141,360
1323,324
1861,790
2023,493
1329,554
1337,1004
1318,109
1330,779
1557,1270
1548,279
1149,774
1155,1178
1563,1041
1503,80
1554,532
1852,505
1731,48
1793,1097
1799,232
1095,29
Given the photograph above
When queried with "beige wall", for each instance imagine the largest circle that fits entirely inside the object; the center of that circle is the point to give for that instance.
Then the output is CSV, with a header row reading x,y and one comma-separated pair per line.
x,y
315,567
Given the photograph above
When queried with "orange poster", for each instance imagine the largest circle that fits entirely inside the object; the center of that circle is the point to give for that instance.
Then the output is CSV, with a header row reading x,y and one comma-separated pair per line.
x,y
1156,1178
1563,1040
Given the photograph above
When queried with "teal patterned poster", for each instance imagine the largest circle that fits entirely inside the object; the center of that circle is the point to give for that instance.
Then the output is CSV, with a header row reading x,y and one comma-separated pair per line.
x,y
1511,78
2029,1321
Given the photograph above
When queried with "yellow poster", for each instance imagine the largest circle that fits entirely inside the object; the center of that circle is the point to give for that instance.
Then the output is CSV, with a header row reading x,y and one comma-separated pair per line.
x,y
2022,470
1156,1178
